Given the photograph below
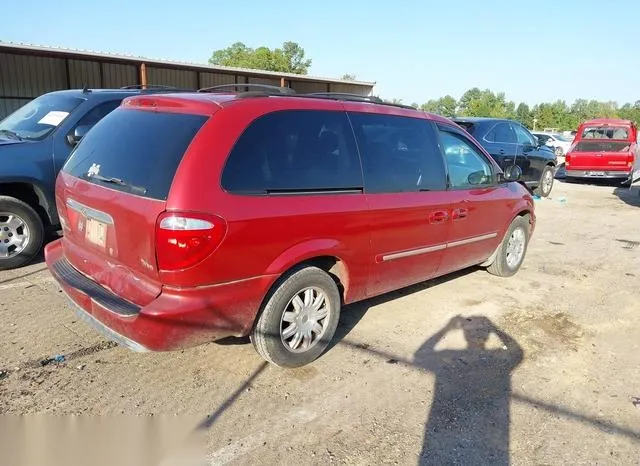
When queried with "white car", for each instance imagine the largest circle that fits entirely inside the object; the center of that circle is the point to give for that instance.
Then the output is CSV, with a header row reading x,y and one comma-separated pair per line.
x,y
558,142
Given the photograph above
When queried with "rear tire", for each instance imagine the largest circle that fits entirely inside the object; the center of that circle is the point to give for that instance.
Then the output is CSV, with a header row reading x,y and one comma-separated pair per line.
x,y
512,250
21,233
545,185
299,318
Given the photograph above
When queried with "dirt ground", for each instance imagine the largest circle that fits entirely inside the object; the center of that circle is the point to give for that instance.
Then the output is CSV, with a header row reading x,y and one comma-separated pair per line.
x,y
558,381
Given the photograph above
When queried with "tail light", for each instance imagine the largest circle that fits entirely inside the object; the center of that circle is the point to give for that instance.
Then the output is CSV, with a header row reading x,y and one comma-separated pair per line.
x,y
183,239
630,159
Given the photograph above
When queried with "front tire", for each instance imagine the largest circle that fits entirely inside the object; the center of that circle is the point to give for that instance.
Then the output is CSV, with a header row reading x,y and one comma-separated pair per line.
x,y
545,185
299,318
511,252
21,233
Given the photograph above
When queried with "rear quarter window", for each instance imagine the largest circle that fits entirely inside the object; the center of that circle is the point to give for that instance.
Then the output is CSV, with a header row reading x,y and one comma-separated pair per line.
x,y
138,150
294,151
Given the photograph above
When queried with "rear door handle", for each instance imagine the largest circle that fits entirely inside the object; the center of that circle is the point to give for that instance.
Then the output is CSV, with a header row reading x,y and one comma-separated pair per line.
x,y
459,213
439,216
501,151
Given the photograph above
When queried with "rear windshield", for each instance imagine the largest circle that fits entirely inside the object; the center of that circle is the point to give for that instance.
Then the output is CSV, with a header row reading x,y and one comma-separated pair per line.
x,y
467,125
135,151
606,132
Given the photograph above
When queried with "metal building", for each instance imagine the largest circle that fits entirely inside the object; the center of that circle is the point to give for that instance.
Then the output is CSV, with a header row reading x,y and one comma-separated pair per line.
x,y
27,71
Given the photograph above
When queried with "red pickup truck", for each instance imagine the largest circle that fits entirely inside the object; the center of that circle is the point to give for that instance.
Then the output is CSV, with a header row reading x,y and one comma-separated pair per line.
x,y
603,148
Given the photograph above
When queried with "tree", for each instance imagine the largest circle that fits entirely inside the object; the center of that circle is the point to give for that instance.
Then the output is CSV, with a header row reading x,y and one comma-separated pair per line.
x,y
288,59
558,114
523,115
475,102
348,77
293,56
445,106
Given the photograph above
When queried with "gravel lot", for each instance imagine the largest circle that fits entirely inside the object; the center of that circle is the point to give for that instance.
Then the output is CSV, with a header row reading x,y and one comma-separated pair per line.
x,y
558,381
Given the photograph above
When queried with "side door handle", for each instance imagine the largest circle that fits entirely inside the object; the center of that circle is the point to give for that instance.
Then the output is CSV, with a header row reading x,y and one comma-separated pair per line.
x,y
501,151
439,216
458,214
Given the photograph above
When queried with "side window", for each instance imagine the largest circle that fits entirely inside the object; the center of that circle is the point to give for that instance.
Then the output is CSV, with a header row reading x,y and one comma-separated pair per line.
x,y
98,112
524,137
294,151
399,154
501,133
467,167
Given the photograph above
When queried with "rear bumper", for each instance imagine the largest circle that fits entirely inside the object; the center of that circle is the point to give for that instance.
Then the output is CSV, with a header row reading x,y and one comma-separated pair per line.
x,y
622,175
175,319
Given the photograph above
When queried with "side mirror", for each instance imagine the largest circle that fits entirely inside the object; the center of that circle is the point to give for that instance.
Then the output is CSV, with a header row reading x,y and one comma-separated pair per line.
x,y
512,173
78,133
476,178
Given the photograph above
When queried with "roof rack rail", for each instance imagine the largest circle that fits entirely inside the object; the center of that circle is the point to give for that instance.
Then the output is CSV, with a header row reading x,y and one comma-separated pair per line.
x,y
251,89
355,98
150,86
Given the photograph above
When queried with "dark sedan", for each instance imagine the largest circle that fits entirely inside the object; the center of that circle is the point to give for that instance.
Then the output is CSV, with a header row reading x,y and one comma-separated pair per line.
x,y
510,143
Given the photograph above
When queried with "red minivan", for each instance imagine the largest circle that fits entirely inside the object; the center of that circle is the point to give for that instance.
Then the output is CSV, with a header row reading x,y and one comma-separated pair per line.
x,y
192,217
603,148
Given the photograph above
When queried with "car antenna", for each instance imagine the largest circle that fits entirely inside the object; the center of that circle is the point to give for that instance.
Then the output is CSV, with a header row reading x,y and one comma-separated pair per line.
x,y
85,89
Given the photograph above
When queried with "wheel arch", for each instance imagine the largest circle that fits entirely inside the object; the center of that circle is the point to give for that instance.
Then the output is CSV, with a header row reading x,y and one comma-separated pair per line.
x,y
30,192
522,212
326,254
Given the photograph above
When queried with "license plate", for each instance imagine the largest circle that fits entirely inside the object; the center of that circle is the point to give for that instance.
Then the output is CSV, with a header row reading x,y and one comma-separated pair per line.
x,y
96,232
596,173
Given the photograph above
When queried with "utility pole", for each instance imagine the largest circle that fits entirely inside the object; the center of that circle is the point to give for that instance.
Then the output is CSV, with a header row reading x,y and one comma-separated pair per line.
x,y
535,120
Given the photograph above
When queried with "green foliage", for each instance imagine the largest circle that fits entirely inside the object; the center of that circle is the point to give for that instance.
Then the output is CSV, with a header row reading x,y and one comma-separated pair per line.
x,y
445,106
348,77
485,103
289,59
523,115
558,114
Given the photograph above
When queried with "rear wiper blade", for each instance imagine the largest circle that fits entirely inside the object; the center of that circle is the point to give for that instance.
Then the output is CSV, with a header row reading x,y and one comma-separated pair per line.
x,y
106,179
120,182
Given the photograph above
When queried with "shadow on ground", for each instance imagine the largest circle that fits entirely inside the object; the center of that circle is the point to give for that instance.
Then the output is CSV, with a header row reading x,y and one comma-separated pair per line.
x,y
629,195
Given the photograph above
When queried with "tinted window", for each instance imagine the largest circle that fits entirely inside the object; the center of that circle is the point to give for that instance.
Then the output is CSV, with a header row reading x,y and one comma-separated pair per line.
x,y
398,153
98,112
467,125
139,150
501,133
467,167
524,137
294,151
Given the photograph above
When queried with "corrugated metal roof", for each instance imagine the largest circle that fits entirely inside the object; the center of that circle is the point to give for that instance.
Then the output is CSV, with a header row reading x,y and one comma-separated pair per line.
x,y
11,46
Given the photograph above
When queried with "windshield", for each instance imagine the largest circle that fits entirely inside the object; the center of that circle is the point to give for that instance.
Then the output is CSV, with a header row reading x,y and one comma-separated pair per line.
x,y
606,132
39,117
560,137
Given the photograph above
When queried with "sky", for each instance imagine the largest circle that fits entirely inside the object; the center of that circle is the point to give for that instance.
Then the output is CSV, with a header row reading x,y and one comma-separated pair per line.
x,y
414,50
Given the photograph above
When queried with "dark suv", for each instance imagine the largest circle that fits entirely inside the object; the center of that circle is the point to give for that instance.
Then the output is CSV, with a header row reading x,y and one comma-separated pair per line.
x,y
35,141
193,217
510,143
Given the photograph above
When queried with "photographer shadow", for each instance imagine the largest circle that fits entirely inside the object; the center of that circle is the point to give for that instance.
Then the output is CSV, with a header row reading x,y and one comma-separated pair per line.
x,y
469,418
